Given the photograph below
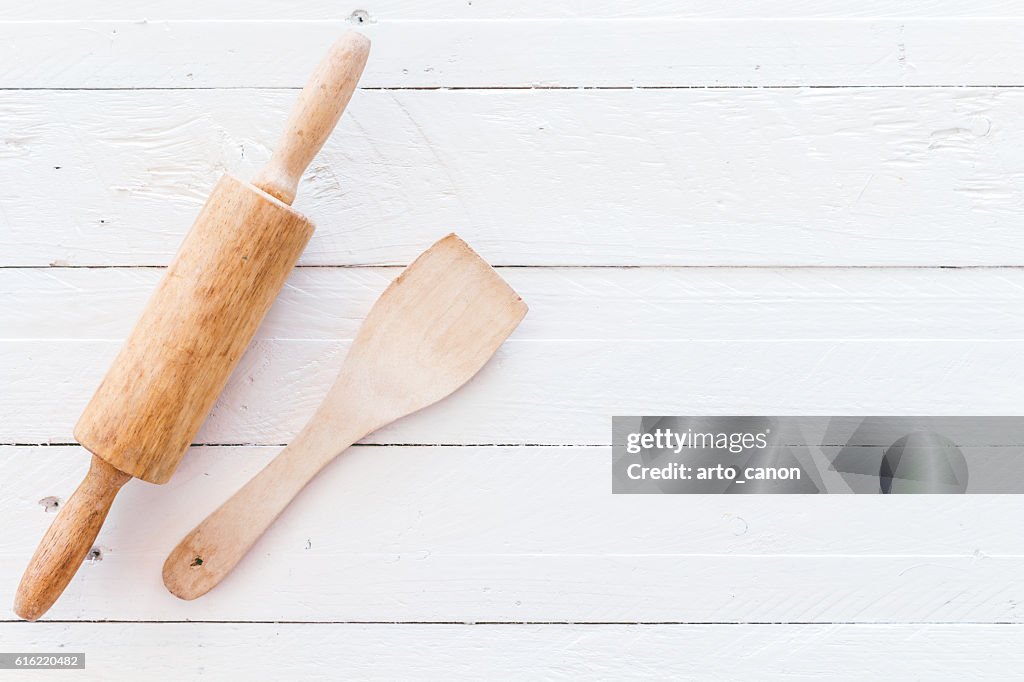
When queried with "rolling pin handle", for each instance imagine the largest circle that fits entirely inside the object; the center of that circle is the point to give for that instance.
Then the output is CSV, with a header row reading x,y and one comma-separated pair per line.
x,y
317,110
68,541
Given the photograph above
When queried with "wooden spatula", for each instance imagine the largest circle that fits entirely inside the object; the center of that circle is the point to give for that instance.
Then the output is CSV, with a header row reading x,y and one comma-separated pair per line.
x,y
432,329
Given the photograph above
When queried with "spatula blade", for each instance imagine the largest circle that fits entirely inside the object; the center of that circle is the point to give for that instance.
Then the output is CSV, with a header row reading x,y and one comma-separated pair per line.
x,y
433,328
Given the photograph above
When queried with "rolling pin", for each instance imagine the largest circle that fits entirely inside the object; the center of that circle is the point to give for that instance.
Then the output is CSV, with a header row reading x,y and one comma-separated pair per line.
x,y
192,333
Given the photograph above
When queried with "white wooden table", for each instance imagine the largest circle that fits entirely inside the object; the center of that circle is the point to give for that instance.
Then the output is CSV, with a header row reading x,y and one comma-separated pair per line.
x,y
711,207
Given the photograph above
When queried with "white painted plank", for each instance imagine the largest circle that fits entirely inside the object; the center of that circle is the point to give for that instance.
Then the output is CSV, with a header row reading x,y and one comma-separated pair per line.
x,y
554,392
646,177
435,10
546,52
449,534
294,651
575,303
556,588
414,501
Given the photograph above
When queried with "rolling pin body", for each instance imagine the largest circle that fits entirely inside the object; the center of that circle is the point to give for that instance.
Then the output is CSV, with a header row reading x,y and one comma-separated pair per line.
x,y
193,331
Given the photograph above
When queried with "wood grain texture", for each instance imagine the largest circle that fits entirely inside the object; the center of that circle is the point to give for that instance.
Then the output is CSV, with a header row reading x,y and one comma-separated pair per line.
x,y
330,303
430,332
315,113
819,177
658,52
193,331
215,293
170,651
68,540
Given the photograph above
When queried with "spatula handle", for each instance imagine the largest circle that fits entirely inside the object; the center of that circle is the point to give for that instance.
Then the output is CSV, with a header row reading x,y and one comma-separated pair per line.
x,y
314,116
208,553
68,540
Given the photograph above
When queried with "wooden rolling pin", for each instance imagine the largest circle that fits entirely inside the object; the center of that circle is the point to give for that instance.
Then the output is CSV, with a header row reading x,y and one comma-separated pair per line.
x,y
221,283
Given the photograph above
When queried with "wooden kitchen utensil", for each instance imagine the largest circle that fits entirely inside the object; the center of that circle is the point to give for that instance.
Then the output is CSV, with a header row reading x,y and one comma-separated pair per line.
x,y
432,329
194,329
